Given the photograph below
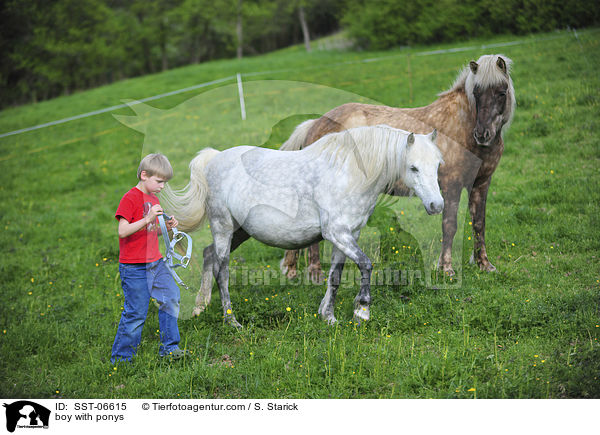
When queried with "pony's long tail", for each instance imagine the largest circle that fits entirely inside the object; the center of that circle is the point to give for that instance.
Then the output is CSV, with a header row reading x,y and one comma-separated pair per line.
x,y
296,140
188,205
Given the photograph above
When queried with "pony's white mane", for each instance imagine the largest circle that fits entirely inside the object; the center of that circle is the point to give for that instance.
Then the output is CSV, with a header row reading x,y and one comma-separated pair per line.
x,y
488,74
370,153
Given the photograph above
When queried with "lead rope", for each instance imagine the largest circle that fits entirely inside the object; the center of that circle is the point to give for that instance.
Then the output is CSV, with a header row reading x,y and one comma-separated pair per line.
x,y
170,254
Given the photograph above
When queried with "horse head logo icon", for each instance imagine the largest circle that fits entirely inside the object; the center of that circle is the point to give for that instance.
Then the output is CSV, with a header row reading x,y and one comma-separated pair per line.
x,y
27,414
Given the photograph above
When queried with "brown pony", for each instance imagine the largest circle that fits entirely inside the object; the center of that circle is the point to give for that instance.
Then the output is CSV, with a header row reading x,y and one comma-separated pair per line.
x,y
469,118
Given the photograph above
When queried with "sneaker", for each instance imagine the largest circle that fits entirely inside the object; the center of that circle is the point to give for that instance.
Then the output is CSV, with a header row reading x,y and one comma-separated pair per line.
x,y
177,354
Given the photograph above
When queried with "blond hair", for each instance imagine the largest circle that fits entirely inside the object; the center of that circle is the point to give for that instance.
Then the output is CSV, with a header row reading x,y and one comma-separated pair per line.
x,y
156,164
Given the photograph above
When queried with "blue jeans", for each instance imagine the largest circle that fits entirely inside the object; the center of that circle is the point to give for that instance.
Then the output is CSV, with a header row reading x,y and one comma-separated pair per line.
x,y
141,282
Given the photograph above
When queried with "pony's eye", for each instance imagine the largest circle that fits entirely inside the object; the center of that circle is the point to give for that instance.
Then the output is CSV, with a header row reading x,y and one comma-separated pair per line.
x,y
414,168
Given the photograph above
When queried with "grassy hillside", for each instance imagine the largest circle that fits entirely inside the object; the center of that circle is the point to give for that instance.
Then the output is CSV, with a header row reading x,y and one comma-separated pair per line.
x,y
529,331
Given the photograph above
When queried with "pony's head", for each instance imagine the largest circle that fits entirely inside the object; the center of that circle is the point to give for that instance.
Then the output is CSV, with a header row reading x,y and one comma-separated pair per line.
x,y
422,160
491,95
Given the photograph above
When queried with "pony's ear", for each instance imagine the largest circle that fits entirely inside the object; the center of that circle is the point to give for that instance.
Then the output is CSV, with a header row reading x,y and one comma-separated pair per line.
x,y
473,65
411,139
433,135
502,65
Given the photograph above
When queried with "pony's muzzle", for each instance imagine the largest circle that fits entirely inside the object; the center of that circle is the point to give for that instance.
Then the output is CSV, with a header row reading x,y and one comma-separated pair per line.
x,y
482,136
435,207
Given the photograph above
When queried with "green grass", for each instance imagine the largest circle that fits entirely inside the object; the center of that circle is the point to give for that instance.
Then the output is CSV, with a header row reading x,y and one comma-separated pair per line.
x,y
529,331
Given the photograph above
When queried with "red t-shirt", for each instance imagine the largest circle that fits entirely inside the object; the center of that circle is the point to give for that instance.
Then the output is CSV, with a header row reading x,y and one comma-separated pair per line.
x,y
140,247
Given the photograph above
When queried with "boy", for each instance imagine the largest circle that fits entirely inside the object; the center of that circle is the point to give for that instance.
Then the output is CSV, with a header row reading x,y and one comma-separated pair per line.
x,y
144,274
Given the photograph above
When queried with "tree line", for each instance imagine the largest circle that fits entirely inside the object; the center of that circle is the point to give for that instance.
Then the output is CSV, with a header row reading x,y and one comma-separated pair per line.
x,y
50,48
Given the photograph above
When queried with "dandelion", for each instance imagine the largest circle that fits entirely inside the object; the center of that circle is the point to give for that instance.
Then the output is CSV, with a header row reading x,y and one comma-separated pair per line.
x,y
251,353
266,299
4,331
471,390
57,391
32,279
30,293
552,171
228,310
392,229
288,309
114,369
246,300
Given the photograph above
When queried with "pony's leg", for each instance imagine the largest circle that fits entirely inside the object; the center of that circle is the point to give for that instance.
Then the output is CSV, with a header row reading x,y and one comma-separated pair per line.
x,y
449,216
477,203
347,243
314,267
205,292
210,270
327,306
222,227
288,264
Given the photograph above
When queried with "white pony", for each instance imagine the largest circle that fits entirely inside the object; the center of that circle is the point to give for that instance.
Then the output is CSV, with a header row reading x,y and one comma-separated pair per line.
x,y
291,199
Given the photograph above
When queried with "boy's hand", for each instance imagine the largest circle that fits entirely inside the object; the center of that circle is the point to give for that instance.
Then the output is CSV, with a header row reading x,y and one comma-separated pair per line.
x,y
172,223
155,210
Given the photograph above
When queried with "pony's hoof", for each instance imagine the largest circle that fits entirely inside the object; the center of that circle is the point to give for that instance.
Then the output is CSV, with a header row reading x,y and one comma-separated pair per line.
x,y
198,310
483,263
487,267
327,316
231,321
289,271
447,270
446,267
361,314
330,320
